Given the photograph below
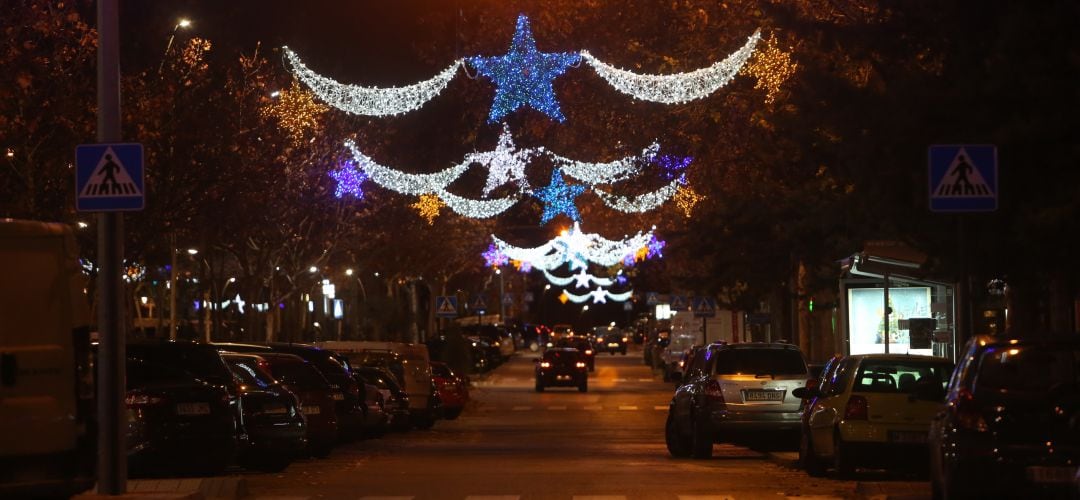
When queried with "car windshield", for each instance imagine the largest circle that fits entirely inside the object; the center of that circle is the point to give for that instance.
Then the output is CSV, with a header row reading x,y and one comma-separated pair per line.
x,y
760,362
887,376
299,374
1028,369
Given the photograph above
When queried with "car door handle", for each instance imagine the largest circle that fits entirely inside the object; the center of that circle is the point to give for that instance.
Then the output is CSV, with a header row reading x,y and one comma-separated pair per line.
x,y
9,369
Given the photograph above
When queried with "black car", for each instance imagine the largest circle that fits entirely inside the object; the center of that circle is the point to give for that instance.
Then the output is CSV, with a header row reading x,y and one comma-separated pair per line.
x,y
583,345
562,367
275,424
612,341
395,399
176,422
1011,422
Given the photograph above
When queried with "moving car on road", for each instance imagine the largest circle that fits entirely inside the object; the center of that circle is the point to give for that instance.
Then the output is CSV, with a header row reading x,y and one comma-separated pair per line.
x,y
734,388
583,346
868,413
1011,422
562,367
611,340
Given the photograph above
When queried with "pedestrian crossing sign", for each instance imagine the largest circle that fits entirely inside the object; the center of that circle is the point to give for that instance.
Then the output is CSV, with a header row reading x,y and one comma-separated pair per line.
x,y
446,306
963,178
679,303
109,177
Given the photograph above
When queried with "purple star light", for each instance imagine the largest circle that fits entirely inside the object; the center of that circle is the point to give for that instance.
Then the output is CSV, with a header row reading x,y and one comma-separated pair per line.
x,y
350,180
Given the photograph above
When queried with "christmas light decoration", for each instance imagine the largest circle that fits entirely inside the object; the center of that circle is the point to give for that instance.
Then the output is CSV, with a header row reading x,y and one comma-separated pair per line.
x,y
350,180
771,66
404,183
428,207
582,279
676,88
521,266
573,246
598,296
605,173
296,111
674,167
477,209
524,75
505,164
640,203
655,248
685,197
494,258
371,101
558,198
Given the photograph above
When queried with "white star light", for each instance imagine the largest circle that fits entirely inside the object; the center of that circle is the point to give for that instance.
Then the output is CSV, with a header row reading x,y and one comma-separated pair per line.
x,y
582,278
599,296
573,246
505,164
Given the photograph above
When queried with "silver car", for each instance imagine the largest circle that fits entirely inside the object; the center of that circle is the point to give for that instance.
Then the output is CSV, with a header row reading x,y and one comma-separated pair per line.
x,y
730,389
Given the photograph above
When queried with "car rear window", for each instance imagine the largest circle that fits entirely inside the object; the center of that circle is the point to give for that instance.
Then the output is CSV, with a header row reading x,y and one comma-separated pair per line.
x,y
441,371
562,356
203,362
760,362
248,373
1028,369
141,374
886,376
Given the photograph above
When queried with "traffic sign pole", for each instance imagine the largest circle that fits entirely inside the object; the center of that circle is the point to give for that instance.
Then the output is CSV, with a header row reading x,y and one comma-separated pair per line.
x,y
112,450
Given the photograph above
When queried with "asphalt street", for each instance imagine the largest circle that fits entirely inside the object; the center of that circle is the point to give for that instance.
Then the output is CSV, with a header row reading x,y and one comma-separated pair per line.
x,y
608,443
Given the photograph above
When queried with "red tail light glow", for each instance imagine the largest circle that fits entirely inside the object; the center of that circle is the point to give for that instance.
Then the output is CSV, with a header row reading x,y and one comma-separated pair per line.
x,y
714,392
857,409
967,411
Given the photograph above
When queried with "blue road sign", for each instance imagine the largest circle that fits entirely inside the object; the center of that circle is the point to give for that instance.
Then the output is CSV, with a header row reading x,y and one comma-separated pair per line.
x,y
109,178
679,303
963,178
479,306
652,298
446,306
704,307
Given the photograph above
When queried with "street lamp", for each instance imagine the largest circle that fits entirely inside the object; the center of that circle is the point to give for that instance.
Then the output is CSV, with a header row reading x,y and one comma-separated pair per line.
x,y
182,23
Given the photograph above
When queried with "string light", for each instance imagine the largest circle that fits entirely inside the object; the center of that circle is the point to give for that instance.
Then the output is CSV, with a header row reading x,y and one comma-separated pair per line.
x,y
675,167
772,67
605,173
494,258
685,197
349,179
640,203
523,77
598,296
296,111
558,198
522,266
575,247
371,101
429,207
582,279
505,164
676,88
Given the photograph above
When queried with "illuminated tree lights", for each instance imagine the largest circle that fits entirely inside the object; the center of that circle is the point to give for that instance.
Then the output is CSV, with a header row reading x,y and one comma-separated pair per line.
x,y
428,207
772,67
523,77
295,110
558,198
686,199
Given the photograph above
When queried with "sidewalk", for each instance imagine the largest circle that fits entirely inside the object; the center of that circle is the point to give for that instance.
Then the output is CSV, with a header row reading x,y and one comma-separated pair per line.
x,y
196,488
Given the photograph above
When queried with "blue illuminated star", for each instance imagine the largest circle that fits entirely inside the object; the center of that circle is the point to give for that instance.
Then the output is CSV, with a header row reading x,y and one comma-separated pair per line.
x,y
558,198
350,180
523,76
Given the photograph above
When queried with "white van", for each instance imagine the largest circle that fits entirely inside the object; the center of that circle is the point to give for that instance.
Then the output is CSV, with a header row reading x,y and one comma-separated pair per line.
x,y
46,379
409,362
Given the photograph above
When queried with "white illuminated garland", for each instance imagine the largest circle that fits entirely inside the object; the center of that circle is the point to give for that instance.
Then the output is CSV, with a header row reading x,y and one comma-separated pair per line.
x,y
640,203
604,173
371,101
383,101
676,88
582,278
576,248
599,296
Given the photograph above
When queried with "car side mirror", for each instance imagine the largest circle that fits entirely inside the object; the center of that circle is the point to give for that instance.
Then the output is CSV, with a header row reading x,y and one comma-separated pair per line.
x,y
806,392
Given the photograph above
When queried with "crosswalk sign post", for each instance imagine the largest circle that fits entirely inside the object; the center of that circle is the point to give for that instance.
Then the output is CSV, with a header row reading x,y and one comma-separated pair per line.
x,y
109,178
446,306
963,178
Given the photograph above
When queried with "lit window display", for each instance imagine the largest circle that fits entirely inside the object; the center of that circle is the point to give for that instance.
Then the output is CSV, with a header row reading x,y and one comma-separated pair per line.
x,y
866,325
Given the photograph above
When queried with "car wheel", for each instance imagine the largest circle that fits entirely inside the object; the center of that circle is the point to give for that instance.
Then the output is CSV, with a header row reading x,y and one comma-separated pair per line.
x,y
842,462
678,445
453,414
701,439
809,462
584,387
539,386
321,450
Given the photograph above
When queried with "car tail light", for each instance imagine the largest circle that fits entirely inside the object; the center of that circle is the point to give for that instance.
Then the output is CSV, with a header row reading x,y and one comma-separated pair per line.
x,y
857,409
714,392
138,399
588,352
624,339
968,415
545,364
580,364
812,383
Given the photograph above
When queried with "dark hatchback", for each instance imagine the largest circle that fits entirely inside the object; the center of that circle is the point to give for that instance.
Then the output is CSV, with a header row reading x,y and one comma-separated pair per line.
x,y
1011,424
176,422
276,428
562,367
582,344
316,398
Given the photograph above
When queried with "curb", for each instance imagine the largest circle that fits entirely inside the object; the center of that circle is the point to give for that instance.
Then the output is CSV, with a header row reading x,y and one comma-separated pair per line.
x,y
196,488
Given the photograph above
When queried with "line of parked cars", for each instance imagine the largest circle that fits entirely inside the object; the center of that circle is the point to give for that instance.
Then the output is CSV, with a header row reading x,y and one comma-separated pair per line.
x,y
196,408
1004,422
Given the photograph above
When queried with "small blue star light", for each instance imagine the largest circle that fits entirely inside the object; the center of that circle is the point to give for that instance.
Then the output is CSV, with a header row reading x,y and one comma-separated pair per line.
x,y
675,166
350,180
493,257
558,198
523,76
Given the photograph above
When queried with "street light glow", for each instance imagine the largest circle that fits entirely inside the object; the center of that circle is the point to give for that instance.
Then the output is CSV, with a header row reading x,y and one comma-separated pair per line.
x,y
313,269
82,225
348,272
184,23
192,251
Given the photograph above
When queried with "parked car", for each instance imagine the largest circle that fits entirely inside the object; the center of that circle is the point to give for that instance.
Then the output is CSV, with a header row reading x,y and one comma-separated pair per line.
x,y
316,396
672,353
581,344
731,388
562,367
395,400
272,415
485,356
1011,422
453,391
867,413
176,422
410,363
653,345
495,335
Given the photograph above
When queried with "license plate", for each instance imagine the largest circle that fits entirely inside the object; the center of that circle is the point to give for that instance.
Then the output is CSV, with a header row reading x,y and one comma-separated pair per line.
x,y
759,395
311,410
193,409
276,410
613,345
1039,474
562,377
907,437
339,396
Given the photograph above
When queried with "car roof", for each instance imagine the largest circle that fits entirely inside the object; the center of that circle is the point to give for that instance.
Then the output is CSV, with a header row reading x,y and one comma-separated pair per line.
x,y
755,345
282,357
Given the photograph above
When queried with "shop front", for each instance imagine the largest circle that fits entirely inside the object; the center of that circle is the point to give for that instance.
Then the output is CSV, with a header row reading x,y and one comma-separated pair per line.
x,y
887,305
